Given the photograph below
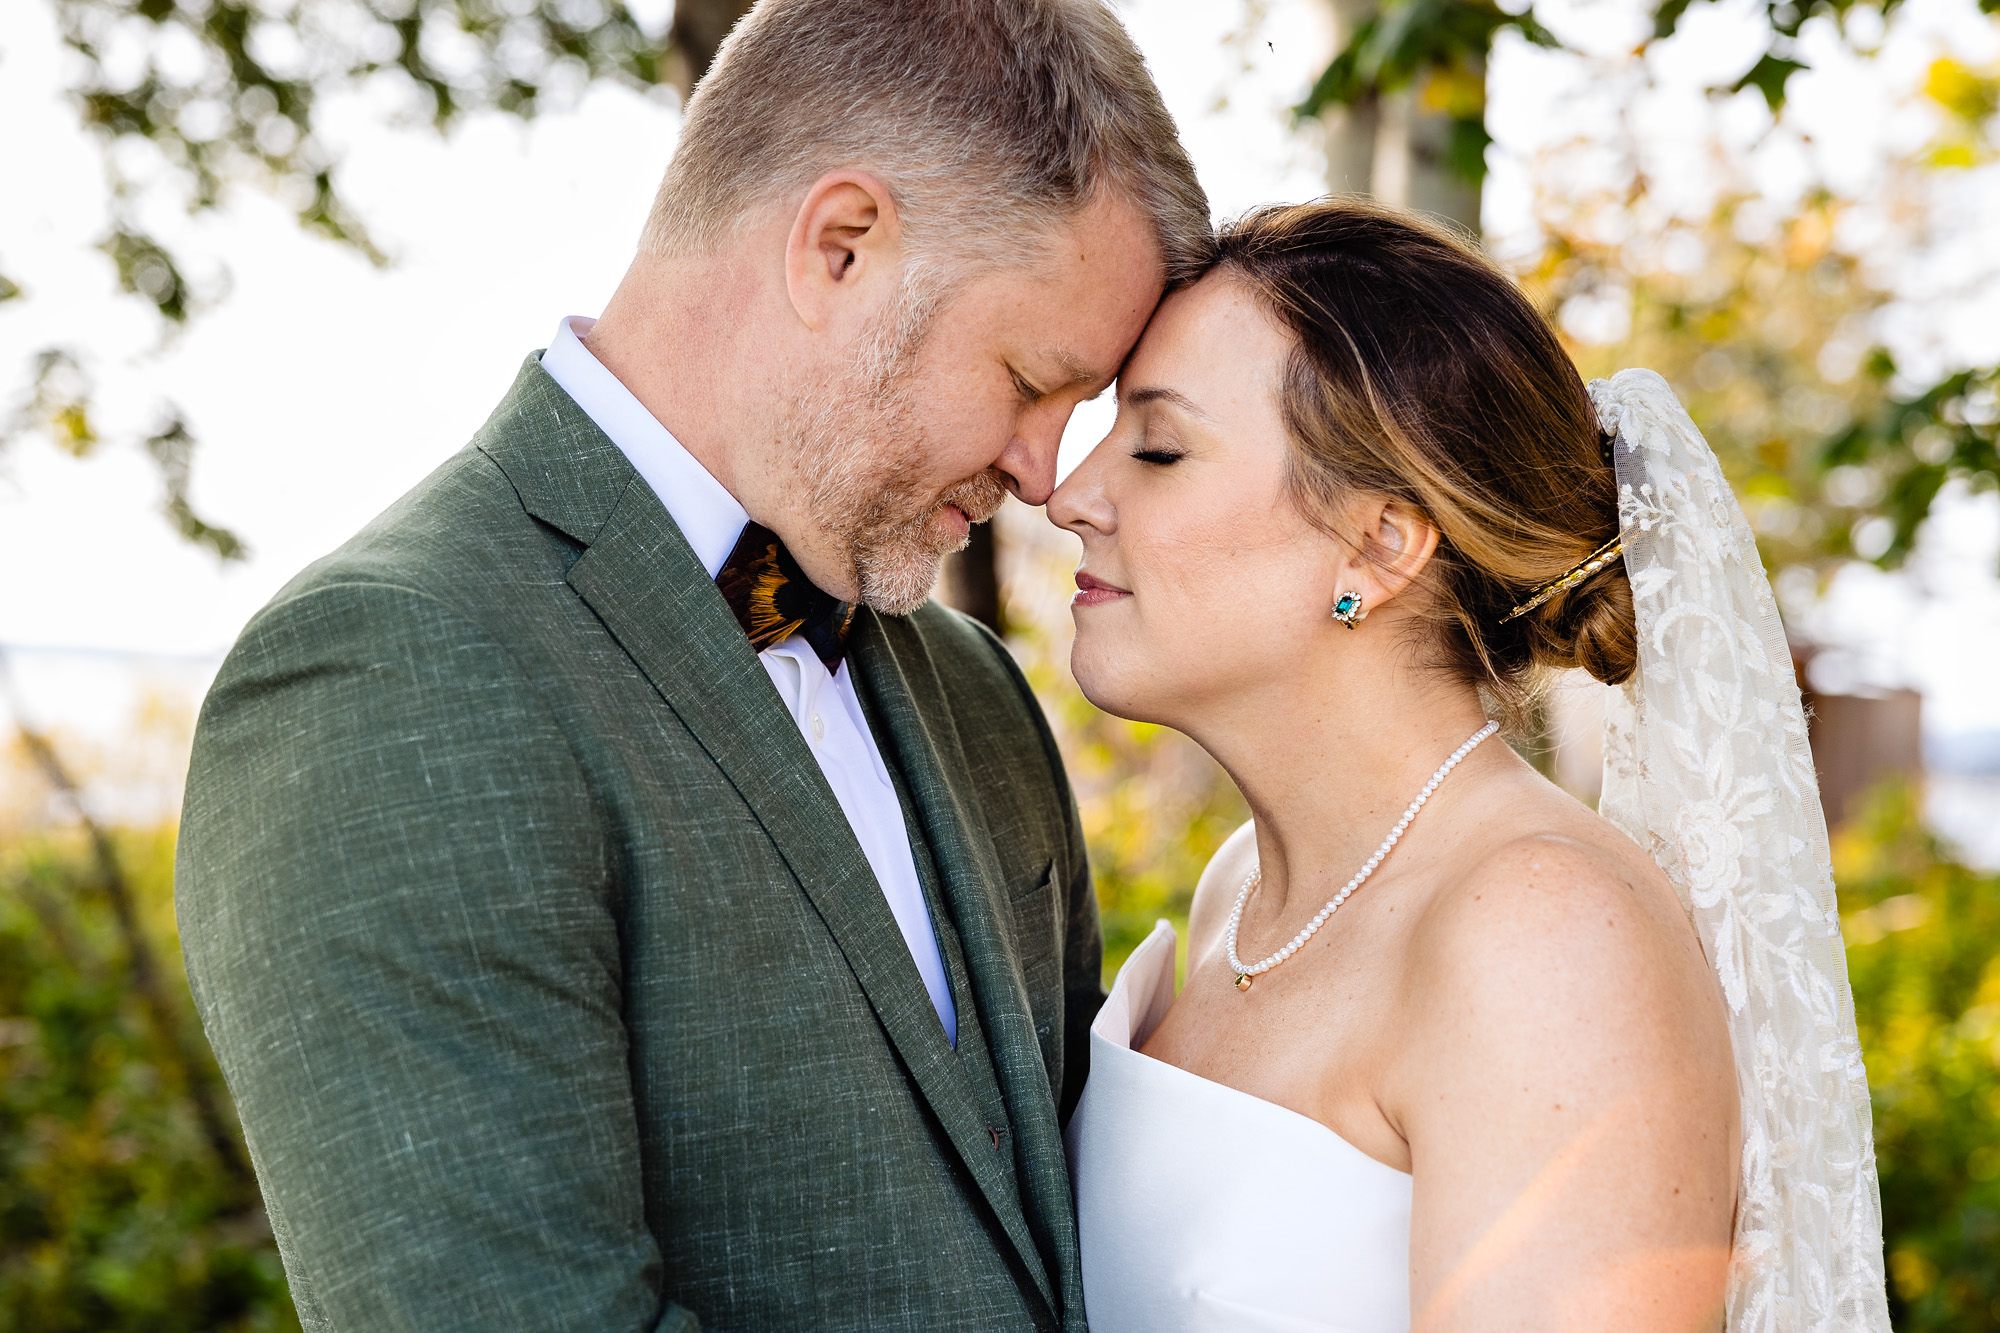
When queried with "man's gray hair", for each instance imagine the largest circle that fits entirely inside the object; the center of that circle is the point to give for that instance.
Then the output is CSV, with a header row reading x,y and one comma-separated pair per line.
x,y
992,122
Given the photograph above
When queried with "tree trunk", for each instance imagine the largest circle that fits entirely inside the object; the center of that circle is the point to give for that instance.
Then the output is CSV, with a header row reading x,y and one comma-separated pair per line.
x,y
1410,164
1393,147
972,578
1351,132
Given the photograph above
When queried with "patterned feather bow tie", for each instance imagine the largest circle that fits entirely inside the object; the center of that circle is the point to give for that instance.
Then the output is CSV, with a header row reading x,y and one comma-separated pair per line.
x,y
773,599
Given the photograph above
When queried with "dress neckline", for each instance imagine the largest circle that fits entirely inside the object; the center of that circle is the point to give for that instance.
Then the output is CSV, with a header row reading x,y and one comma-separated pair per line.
x,y
1164,938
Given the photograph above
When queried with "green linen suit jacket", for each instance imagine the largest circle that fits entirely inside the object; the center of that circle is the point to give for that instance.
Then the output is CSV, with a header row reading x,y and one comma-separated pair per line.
x,y
552,986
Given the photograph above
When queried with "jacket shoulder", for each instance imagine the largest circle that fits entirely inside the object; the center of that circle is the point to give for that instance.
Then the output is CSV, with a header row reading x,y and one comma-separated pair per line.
x,y
970,656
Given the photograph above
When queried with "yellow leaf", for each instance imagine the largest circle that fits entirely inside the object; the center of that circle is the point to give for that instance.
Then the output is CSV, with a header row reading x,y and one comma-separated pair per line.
x,y
1456,91
1914,1274
1957,153
1961,91
1809,238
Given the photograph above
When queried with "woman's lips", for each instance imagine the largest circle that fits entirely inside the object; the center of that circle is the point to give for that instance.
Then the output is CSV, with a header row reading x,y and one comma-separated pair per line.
x,y
1092,591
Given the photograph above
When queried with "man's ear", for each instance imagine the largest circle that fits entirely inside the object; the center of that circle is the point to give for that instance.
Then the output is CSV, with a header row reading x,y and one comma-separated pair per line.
x,y
844,250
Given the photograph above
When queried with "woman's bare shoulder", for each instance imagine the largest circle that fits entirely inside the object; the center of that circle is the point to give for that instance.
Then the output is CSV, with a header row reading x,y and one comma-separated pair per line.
x,y
1556,913
1571,956
1566,1057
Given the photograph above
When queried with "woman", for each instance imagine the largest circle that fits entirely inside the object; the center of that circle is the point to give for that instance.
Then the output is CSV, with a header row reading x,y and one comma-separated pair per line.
x,y
1451,1052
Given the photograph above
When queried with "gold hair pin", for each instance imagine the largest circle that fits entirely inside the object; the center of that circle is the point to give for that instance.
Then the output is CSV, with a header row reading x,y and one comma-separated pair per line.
x,y
1590,564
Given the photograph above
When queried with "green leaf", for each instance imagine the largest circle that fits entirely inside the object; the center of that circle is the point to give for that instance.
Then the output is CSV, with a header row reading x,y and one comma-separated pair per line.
x,y
1407,39
58,404
172,451
1948,432
1667,17
146,269
1768,77
1338,84
1465,148
1908,502
192,79
1531,28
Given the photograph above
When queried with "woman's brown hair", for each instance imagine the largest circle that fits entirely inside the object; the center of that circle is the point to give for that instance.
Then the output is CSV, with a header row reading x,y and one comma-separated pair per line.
x,y
1423,374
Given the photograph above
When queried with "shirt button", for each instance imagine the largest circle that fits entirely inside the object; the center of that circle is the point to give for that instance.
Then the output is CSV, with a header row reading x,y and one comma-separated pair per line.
x,y
819,727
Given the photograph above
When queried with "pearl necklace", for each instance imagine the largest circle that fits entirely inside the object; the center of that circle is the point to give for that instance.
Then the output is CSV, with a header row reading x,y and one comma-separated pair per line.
x,y
1245,971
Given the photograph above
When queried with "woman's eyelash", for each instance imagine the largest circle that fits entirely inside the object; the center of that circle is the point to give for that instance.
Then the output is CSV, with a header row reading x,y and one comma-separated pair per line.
x,y
1158,457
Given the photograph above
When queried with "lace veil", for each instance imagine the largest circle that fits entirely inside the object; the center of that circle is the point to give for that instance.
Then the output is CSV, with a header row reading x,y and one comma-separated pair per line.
x,y
1706,766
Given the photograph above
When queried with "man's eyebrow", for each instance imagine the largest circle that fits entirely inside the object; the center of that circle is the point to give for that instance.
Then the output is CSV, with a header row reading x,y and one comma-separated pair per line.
x,y
1161,394
1073,366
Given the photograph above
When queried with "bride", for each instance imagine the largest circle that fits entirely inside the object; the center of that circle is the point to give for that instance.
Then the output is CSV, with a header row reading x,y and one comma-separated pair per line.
x,y
1453,1051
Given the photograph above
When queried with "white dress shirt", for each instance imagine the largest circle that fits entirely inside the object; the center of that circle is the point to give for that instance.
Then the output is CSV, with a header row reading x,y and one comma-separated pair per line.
x,y
824,706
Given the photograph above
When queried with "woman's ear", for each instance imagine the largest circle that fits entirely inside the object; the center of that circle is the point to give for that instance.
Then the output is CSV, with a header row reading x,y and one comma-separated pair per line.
x,y
1396,542
844,250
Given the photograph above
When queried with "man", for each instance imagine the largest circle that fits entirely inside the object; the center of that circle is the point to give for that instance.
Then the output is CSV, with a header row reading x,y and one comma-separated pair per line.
x,y
604,925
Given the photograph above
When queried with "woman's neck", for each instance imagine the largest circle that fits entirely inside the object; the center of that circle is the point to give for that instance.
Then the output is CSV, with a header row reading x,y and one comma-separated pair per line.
x,y
1328,769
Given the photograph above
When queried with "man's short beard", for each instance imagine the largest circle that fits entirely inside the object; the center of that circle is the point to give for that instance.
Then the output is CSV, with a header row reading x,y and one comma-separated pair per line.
x,y
858,453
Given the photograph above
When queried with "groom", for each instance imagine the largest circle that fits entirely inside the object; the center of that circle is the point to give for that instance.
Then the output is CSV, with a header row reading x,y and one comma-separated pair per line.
x,y
619,900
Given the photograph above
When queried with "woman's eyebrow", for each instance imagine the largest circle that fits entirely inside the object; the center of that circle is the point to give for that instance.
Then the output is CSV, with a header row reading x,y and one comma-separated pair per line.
x,y
1162,394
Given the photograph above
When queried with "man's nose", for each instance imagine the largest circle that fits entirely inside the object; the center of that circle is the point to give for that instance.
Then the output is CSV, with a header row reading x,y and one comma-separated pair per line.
x,y
1030,457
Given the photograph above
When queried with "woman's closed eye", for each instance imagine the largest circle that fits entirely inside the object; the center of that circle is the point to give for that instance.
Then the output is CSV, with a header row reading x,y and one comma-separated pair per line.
x,y
1159,455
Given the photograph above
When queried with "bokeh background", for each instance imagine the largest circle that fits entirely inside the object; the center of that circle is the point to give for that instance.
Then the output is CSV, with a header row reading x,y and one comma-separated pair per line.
x,y
264,263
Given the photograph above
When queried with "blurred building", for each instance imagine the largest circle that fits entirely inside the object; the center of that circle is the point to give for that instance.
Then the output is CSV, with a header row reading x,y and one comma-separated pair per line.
x,y
1859,739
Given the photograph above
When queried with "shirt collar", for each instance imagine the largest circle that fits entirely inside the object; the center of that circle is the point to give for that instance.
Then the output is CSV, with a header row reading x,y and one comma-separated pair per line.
x,y
707,515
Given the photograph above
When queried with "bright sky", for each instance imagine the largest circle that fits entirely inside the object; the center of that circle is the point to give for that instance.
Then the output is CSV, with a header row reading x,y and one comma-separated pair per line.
x,y
322,389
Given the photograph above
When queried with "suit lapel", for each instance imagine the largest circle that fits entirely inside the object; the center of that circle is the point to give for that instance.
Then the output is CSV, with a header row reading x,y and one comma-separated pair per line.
x,y
896,669
641,578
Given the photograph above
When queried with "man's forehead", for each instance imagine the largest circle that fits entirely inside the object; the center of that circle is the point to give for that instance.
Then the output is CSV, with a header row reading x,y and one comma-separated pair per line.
x,y
1075,327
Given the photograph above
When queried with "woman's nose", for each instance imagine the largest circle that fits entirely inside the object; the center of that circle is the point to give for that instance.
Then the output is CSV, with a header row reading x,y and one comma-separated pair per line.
x,y
1080,505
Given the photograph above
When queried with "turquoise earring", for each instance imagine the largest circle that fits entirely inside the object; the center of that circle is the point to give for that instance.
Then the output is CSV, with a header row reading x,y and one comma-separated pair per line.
x,y
1347,609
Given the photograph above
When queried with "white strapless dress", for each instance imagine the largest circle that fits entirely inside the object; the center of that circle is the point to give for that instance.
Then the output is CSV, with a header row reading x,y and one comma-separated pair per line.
x,y
1204,1208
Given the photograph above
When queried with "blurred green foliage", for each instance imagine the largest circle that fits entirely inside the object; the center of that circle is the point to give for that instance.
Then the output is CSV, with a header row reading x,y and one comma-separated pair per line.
x,y
1768,324
1437,47
1923,954
116,1212
1154,808
1912,445
1763,328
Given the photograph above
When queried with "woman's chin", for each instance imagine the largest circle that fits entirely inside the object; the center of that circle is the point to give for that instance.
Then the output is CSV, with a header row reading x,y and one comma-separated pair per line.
x,y
1106,684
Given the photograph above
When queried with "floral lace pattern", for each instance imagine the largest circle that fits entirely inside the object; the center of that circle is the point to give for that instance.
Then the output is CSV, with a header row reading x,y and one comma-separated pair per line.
x,y
1706,765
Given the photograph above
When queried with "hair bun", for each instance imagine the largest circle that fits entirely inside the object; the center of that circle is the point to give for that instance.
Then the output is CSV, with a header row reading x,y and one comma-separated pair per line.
x,y
1592,626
